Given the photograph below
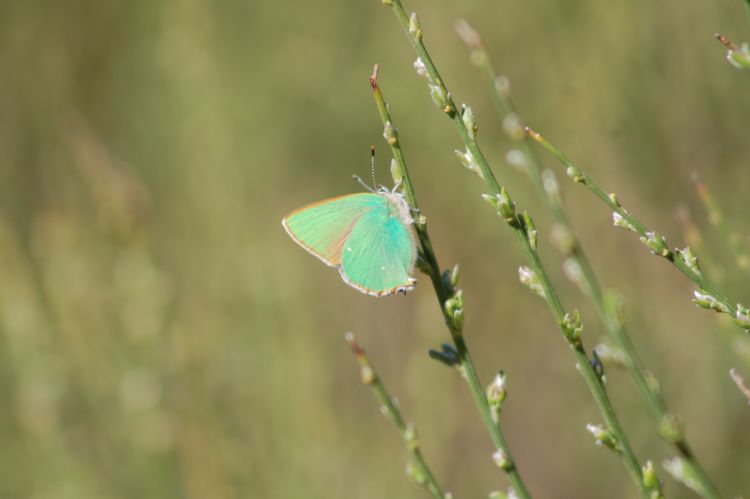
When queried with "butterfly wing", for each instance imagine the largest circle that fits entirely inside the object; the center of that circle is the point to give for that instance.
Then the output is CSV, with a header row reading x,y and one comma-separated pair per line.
x,y
380,252
323,227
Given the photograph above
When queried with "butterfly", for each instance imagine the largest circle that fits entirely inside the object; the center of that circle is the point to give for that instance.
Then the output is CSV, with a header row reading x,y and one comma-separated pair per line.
x,y
368,236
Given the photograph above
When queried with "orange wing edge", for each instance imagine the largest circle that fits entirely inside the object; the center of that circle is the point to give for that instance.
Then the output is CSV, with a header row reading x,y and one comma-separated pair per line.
x,y
306,247
336,248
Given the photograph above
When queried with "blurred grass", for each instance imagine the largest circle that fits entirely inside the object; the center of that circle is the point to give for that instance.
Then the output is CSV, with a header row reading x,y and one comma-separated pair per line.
x,y
160,336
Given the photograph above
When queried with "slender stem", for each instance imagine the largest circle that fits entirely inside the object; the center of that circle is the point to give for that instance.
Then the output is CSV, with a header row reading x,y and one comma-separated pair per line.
x,y
444,292
737,378
717,219
420,472
650,238
670,428
443,98
746,4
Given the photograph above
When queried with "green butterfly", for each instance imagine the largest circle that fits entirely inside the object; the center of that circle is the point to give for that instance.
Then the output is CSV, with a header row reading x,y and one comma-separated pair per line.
x,y
369,237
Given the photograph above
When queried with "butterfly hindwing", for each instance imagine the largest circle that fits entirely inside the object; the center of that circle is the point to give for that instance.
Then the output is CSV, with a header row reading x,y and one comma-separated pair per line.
x,y
323,227
380,252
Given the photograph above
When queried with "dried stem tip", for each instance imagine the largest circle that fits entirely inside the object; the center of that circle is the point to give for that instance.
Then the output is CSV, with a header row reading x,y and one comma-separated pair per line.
x,y
740,383
374,76
356,349
725,41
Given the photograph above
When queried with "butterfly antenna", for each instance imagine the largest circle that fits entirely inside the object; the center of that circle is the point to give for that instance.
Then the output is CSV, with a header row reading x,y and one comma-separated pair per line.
x,y
362,182
372,167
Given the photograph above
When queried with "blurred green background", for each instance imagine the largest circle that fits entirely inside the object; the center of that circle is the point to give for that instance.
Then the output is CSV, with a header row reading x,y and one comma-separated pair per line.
x,y
161,336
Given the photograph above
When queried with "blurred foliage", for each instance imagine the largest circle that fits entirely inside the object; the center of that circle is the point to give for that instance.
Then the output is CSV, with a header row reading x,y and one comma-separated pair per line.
x,y
160,335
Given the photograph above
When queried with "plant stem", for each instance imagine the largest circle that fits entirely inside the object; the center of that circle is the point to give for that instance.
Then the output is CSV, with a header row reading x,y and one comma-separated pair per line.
x,y
521,230
420,472
670,428
737,378
738,56
746,4
719,302
717,219
444,291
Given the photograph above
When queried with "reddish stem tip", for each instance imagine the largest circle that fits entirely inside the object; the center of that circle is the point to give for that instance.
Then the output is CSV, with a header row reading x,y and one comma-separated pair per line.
x,y
374,77
725,41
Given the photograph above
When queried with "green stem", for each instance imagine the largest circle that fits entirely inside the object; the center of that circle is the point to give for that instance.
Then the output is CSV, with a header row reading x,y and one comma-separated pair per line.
x,y
420,472
746,4
669,426
444,292
690,271
717,219
443,98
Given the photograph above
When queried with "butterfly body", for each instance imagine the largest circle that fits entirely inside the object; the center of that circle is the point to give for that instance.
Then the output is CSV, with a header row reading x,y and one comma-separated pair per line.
x,y
367,236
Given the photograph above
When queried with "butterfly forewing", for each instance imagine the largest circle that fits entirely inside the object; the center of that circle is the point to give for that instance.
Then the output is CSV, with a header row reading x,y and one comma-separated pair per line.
x,y
322,228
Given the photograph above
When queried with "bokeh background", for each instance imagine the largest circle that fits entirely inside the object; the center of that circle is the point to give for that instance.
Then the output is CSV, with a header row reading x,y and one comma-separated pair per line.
x,y
161,336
